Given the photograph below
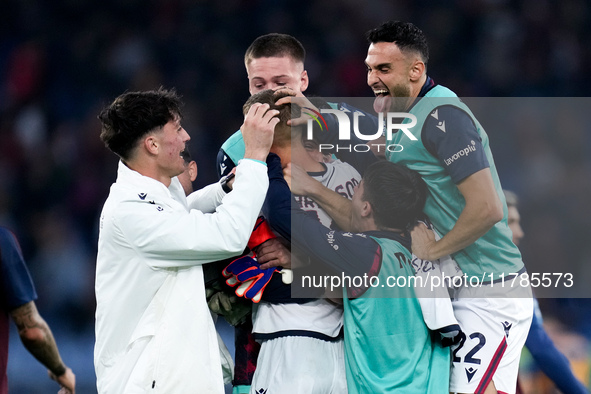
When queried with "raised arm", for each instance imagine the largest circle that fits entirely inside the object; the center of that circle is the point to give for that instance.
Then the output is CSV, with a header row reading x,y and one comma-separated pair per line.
x,y
337,206
177,239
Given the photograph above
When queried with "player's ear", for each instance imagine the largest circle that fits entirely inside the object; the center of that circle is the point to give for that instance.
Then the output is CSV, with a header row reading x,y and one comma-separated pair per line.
x,y
417,69
304,81
192,170
366,209
151,144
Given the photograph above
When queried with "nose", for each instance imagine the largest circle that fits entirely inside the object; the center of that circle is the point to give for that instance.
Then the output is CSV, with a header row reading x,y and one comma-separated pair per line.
x,y
372,79
186,136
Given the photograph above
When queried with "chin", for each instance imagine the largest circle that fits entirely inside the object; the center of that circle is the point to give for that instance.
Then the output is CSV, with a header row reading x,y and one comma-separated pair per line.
x,y
177,173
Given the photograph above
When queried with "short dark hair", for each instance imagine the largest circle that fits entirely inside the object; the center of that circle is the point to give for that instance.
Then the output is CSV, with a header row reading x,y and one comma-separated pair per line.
x,y
269,96
396,193
133,115
275,45
286,112
405,35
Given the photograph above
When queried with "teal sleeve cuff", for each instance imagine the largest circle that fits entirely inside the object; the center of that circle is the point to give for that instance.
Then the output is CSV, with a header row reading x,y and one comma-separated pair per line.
x,y
241,389
258,161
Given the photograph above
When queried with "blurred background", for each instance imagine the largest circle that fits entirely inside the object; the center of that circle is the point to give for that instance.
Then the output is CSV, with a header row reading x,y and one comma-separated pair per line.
x,y
61,61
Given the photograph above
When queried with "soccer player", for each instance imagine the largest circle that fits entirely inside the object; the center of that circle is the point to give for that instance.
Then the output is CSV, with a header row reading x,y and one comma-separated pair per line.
x,y
154,330
276,61
188,176
272,61
465,202
17,300
388,347
549,359
300,338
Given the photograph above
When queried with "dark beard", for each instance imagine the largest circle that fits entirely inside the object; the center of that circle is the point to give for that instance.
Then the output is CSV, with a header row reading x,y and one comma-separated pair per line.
x,y
400,98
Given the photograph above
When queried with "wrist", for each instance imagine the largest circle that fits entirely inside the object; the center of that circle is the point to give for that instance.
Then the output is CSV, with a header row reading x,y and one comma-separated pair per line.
x,y
433,253
256,156
60,370
225,182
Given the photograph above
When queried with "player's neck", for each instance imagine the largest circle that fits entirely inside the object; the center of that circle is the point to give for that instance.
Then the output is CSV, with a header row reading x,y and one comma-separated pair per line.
x,y
416,87
365,225
148,167
283,151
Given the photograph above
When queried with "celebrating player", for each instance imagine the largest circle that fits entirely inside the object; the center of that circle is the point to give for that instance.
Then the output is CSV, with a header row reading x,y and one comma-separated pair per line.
x,y
301,337
273,61
153,328
465,203
388,347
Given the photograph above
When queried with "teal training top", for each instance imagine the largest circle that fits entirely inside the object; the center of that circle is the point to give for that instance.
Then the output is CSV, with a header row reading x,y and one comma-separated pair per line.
x,y
494,252
388,347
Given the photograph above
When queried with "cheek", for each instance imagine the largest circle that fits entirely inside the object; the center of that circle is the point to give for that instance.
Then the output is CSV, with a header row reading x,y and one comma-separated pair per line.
x,y
391,82
173,148
295,84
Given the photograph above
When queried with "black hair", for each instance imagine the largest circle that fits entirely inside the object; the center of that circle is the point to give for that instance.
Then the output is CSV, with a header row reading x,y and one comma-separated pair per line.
x,y
275,45
133,115
396,193
405,35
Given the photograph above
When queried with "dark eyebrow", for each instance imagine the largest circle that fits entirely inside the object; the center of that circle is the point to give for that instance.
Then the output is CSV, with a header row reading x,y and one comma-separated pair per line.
x,y
381,65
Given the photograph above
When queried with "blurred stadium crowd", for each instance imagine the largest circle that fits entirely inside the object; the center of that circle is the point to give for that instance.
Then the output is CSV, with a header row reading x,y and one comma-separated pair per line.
x,y
60,61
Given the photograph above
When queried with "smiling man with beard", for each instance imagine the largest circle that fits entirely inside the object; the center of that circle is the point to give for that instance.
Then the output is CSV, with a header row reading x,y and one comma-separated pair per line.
x,y
465,203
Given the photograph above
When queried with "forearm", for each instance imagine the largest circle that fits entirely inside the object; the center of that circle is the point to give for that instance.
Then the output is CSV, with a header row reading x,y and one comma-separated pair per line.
x,y
38,338
550,360
179,239
277,206
335,205
472,224
206,199
481,211
353,256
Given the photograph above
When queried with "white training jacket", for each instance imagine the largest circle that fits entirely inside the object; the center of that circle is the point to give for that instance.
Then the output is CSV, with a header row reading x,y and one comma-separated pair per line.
x,y
154,331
